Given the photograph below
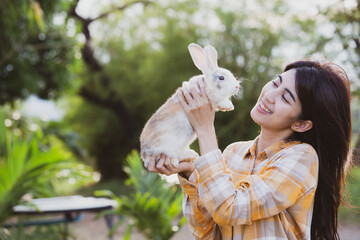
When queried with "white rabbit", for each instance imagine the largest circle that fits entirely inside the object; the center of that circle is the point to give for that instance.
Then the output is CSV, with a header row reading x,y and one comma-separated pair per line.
x,y
169,131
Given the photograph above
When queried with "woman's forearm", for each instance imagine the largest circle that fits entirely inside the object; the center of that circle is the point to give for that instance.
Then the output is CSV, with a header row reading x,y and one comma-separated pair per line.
x,y
207,140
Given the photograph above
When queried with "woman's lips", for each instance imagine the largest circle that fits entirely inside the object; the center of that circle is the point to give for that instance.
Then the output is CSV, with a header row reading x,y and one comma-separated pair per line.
x,y
263,108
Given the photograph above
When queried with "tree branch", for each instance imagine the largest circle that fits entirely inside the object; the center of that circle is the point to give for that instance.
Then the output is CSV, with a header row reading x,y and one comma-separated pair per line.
x,y
121,9
115,105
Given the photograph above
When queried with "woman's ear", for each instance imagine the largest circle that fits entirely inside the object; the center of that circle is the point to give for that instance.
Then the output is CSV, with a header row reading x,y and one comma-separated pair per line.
x,y
302,126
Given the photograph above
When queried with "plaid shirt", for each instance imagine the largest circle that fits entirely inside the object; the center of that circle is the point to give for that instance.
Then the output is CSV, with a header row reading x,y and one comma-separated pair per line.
x,y
265,197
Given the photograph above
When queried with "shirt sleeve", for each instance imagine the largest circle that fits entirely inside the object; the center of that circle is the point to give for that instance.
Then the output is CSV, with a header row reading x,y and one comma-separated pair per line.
x,y
200,221
277,187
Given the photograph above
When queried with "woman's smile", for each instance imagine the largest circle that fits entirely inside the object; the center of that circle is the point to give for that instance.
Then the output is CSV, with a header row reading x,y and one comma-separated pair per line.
x,y
263,108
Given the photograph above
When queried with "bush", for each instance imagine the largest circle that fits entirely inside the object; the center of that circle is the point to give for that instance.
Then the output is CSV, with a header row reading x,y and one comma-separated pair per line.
x,y
153,206
24,162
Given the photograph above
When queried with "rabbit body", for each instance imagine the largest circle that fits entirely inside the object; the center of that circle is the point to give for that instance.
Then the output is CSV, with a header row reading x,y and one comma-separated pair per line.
x,y
169,131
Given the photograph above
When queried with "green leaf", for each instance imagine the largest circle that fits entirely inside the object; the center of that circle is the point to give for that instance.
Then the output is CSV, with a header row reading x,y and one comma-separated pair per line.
x,y
25,168
113,228
152,205
128,232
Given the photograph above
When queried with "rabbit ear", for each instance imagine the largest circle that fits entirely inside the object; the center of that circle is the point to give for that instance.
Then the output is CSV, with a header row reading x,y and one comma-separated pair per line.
x,y
199,58
212,55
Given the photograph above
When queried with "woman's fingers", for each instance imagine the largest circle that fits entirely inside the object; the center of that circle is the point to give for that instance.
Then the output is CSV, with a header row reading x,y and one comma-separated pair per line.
x,y
202,89
169,166
183,102
152,167
164,166
188,96
161,167
192,99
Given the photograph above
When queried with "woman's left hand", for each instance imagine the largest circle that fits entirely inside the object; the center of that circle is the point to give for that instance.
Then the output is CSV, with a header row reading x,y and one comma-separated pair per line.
x,y
162,164
197,107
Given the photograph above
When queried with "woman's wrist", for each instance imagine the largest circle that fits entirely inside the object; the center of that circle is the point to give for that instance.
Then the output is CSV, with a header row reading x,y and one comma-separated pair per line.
x,y
207,140
186,174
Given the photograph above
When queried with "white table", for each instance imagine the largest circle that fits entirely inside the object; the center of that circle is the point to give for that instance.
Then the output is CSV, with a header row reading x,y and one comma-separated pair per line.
x,y
70,206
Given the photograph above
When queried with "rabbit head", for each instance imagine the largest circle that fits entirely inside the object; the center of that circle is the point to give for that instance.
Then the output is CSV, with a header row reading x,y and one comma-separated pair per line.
x,y
219,80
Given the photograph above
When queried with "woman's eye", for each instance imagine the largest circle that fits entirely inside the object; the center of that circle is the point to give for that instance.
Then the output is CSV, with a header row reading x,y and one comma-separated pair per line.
x,y
275,84
221,77
283,96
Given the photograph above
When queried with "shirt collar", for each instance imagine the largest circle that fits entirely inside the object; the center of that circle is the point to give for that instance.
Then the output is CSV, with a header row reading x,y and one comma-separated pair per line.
x,y
271,150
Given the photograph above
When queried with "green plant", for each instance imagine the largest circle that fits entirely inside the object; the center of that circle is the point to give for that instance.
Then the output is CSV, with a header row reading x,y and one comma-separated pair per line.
x,y
26,165
352,215
154,205
48,232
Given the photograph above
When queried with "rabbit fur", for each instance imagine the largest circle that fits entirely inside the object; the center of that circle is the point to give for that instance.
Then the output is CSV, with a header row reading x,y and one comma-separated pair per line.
x,y
169,131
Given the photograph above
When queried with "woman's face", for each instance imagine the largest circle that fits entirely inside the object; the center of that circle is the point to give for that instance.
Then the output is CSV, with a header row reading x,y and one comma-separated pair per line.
x,y
278,106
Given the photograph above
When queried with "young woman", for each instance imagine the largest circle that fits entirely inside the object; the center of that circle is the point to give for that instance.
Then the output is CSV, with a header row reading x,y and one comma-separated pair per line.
x,y
285,184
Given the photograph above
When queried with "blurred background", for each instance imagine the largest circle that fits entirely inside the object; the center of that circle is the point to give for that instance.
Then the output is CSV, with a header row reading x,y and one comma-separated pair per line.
x,y
79,79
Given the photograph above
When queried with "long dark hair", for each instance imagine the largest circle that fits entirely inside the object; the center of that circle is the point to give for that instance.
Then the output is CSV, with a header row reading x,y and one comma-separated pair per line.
x,y
324,92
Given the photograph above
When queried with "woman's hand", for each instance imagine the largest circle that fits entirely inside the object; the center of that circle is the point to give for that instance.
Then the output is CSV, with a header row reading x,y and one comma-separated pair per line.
x,y
162,164
201,115
197,107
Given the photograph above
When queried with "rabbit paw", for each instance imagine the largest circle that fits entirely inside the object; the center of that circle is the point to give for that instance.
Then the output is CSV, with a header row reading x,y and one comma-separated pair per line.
x,y
225,105
186,156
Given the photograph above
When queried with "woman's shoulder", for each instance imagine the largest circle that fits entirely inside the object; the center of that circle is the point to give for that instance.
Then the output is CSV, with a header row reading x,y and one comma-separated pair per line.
x,y
298,150
301,147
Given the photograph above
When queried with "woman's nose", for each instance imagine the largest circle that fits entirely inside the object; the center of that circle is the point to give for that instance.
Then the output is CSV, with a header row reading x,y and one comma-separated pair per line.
x,y
270,96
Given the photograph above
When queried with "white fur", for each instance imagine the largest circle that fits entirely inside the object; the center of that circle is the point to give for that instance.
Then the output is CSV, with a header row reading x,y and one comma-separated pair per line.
x,y
169,131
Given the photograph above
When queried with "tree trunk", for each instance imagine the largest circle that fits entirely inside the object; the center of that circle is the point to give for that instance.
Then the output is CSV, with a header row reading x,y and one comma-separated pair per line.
x,y
106,163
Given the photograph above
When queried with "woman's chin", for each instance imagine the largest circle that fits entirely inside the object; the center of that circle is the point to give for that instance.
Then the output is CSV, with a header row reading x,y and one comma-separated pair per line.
x,y
253,115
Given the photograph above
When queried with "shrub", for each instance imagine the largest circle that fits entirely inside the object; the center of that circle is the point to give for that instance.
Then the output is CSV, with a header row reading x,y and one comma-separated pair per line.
x,y
26,165
153,206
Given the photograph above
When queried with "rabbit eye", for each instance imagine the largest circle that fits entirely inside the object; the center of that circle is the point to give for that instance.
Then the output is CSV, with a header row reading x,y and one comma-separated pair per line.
x,y
221,77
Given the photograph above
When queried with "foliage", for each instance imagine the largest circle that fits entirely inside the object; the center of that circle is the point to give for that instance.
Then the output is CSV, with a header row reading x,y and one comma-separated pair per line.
x,y
352,215
248,52
26,166
116,186
48,232
346,22
146,59
151,207
73,174
51,175
345,19
36,55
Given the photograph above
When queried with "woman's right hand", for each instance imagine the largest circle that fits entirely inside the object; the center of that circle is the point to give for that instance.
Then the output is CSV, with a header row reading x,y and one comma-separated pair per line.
x,y
162,164
197,107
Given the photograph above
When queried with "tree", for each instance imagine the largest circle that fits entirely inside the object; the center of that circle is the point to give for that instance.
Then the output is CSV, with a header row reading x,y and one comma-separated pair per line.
x,y
147,59
107,115
36,55
346,20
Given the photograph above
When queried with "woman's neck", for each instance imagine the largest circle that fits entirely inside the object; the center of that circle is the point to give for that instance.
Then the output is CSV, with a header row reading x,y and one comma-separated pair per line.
x,y
268,138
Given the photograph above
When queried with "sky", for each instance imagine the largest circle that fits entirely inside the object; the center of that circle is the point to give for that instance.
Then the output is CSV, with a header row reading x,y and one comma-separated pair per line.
x,y
35,107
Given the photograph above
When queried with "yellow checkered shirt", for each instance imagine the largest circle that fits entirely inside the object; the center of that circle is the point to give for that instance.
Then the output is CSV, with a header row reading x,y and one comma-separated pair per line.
x,y
267,197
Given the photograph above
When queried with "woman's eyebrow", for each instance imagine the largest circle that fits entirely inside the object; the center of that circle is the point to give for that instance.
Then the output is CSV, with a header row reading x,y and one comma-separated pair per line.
x,y
280,77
